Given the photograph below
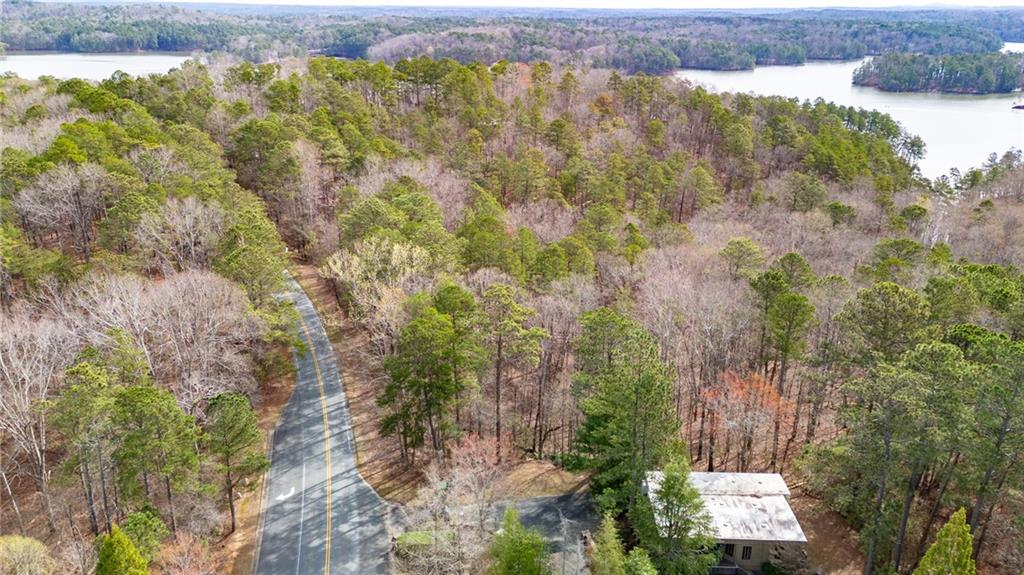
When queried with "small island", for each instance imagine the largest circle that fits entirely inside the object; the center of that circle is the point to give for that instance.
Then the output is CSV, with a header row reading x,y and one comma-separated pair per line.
x,y
984,73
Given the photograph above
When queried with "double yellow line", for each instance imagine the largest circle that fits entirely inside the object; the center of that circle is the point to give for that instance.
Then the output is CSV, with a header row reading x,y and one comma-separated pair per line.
x,y
327,437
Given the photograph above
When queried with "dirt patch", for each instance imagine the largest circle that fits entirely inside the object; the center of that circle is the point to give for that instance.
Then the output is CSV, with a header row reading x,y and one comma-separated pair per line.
x,y
379,458
539,479
238,550
831,545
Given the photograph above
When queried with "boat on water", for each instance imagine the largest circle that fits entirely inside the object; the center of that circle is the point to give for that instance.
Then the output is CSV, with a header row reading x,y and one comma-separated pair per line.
x,y
1019,104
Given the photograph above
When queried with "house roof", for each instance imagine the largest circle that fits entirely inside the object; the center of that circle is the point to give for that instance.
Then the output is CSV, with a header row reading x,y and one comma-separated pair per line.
x,y
744,506
760,484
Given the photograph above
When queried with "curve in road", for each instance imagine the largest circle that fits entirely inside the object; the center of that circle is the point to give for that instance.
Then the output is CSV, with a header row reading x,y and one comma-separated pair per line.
x,y
319,515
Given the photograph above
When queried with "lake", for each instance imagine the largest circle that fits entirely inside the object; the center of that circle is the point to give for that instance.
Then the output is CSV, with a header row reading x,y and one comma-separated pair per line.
x,y
959,130
32,65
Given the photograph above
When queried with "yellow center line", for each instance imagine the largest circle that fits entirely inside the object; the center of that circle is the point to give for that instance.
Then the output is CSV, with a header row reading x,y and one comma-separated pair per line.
x,y
327,438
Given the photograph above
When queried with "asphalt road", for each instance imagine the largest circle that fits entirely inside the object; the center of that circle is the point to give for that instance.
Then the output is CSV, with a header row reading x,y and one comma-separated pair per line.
x,y
319,516
561,519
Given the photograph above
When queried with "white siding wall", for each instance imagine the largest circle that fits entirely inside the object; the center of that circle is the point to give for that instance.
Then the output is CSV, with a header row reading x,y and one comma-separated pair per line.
x,y
759,554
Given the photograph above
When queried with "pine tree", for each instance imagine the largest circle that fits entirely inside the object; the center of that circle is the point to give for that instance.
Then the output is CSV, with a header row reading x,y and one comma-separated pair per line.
x,y
146,530
609,557
951,552
233,436
518,550
509,339
118,556
627,402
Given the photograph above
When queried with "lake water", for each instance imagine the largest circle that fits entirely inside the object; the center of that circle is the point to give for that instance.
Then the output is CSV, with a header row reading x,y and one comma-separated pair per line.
x,y
88,66
959,130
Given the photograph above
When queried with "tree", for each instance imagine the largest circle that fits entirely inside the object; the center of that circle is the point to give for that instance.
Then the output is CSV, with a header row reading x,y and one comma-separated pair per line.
x,y
146,531
118,556
790,317
638,562
155,438
66,199
950,554
608,557
673,525
509,340
884,321
25,556
627,402
252,254
518,550
182,234
33,355
375,278
82,416
233,439
188,555
743,257
421,389
465,351
805,192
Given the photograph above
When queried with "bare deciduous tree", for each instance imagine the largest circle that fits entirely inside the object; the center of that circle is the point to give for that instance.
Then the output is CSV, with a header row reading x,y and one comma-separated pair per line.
x,y
33,355
375,277
182,235
65,201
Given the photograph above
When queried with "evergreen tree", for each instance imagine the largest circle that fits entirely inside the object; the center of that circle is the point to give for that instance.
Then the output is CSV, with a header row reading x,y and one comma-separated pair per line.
x,y
950,554
156,439
118,555
608,558
421,389
673,525
627,402
509,340
233,439
146,531
518,550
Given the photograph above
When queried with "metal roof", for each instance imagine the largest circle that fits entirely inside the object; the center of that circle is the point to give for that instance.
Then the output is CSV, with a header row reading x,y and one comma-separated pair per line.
x,y
739,483
744,506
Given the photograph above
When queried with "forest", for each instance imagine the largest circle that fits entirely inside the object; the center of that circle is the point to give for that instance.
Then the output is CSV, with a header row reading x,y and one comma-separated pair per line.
x,y
655,43
961,74
614,273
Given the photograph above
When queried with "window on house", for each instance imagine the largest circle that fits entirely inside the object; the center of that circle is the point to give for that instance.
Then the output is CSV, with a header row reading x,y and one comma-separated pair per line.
x,y
730,550
747,552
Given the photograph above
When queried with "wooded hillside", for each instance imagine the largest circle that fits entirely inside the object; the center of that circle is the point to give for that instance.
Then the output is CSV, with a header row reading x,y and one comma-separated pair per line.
x,y
611,272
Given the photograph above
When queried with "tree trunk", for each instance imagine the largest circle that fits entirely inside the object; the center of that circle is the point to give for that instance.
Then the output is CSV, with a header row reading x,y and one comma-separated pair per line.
x,y
936,505
711,442
499,365
988,514
979,501
14,502
700,434
778,412
908,503
170,505
869,565
229,488
796,419
94,524
538,442
103,489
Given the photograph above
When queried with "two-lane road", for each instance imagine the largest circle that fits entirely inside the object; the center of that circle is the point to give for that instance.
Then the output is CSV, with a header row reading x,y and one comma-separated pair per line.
x,y
319,516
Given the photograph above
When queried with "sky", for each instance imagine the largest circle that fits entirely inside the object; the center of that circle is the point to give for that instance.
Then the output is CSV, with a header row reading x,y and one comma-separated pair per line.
x,y
639,4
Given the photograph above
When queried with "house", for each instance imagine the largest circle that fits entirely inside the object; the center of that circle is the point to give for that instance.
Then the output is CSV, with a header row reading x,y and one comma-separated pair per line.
x,y
750,516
